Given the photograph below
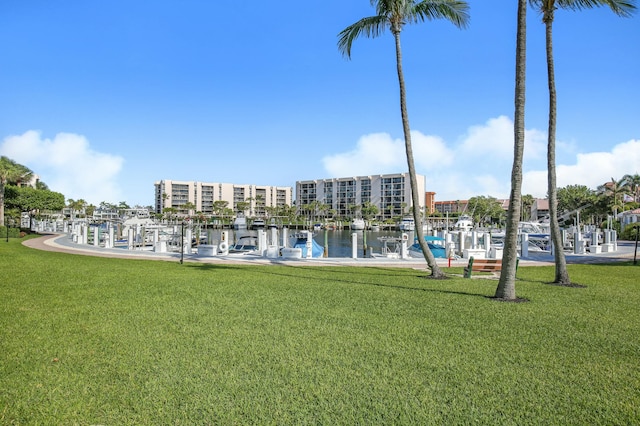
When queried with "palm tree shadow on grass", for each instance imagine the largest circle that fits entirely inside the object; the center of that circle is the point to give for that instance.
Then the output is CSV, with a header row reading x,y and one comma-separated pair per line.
x,y
320,274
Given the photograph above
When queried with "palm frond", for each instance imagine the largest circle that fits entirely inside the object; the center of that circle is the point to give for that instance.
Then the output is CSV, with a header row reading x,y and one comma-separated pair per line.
x,y
455,11
624,8
370,27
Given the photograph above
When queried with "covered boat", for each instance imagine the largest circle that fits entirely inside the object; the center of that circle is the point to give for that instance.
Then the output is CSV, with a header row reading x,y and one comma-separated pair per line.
x,y
300,241
437,246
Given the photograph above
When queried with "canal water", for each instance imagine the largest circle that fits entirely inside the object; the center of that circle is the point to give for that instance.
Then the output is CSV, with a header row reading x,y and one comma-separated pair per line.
x,y
339,243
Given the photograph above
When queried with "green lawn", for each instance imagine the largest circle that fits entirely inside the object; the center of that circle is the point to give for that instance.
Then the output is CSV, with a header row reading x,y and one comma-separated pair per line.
x,y
90,340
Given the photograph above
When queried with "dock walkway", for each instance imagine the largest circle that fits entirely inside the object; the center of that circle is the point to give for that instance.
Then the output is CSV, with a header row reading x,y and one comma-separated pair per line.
x,y
62,243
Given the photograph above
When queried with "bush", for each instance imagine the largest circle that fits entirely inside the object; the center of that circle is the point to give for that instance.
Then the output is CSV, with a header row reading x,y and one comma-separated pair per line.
x,y
630,231
13,232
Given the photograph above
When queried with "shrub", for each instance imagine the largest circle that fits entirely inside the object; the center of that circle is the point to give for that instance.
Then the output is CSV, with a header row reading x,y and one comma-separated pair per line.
x,y
13,232
630,231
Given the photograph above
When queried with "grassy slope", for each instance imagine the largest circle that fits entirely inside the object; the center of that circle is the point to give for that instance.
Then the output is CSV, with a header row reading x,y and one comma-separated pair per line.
x,y
105,341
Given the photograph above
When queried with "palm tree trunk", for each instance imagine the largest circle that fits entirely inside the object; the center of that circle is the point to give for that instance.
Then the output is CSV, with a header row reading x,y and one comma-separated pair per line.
x,y
507,284
415,196
562,275
2,203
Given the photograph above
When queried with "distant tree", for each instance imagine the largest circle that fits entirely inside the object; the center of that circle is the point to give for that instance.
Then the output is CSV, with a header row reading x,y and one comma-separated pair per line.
x,y
169,212
219,207
354,210
10,173
27,199
41,185
369,210
107,206
486,210
242,206
527,202
613,192
573,197
188,208
633,182
324,210
227,212
77,206
395,14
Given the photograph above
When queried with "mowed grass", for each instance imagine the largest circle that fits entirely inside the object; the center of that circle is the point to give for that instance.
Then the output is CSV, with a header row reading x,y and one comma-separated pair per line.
x,y
106,341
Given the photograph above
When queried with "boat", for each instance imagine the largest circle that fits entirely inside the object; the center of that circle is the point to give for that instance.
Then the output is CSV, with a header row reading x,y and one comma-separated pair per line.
x,y
258,224
437,246
357,225
240,223
300,242
464,223
330,226
407,224
391,247
244,244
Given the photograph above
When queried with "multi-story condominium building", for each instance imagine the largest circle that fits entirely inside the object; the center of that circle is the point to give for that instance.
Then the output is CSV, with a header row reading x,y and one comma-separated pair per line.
x,y
463,206
451,206
391,194
176,194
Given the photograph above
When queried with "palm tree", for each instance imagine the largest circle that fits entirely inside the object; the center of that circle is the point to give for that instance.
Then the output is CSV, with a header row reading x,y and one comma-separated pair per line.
x,y
633,181
614,189
395,14
10,172
527,202
507,284
547,8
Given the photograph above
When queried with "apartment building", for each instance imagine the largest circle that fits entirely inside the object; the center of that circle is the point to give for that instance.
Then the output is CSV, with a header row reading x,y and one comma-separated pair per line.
x,y
391,194
452,206
176,194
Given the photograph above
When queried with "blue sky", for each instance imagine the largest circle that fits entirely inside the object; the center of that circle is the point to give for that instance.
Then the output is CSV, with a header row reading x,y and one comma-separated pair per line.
x,y
102,99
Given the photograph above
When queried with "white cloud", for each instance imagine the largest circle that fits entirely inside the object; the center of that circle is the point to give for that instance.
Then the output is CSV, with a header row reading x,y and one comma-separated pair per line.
x,y
67,164
480,162
590,169
379,153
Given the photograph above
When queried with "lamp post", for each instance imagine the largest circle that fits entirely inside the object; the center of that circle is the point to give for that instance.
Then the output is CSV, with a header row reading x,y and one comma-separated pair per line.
x,y
182,243
635,253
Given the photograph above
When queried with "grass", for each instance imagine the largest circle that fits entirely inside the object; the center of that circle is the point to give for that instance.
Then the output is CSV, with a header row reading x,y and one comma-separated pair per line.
x,y
90,340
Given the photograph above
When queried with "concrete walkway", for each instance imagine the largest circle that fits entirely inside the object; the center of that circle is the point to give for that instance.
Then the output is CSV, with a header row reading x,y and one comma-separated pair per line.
x,y
62,243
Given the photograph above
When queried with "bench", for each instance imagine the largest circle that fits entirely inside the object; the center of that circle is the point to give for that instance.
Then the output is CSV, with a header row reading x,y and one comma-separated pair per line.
x,y
484,265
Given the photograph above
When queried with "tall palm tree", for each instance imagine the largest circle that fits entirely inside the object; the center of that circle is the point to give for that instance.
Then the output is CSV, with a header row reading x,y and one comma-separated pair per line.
x,y
10,172
548,8
507,284
395,14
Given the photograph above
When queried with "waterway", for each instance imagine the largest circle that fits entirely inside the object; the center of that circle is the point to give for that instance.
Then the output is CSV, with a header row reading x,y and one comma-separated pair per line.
x,y
339,243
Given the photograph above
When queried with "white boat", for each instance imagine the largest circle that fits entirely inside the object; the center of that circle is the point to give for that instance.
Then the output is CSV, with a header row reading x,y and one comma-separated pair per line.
x,y
464,223
357,225
245,244
391,247
407,224
240,223
257,224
